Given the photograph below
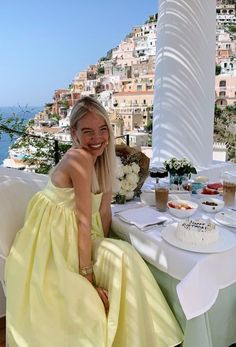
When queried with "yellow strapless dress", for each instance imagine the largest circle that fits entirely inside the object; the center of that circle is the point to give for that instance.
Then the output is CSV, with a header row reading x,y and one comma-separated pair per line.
x,y
50,305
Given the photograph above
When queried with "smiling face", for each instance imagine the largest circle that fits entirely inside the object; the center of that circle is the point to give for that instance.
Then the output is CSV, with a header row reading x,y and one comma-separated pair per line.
x,y
92,133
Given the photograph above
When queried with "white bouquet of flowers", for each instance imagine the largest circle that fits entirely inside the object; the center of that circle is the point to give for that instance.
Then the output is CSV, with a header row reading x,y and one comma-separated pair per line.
x,y
132,170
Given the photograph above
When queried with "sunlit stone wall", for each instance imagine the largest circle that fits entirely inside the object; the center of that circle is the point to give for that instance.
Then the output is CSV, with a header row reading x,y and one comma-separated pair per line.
x,y
185,81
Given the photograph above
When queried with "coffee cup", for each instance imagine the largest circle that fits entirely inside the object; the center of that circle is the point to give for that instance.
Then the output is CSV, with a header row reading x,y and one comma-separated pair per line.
x,y
161,197
229,188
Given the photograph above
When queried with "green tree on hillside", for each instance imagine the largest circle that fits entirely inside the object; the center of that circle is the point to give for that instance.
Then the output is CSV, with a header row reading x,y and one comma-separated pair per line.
x,y
43,152
225,129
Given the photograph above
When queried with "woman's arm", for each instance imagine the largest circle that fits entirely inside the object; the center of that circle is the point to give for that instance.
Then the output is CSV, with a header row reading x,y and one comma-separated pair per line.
x,y
81,166
105,212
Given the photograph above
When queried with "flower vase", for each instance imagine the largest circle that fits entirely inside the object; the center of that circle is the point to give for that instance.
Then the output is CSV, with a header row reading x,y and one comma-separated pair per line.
x,y
177,180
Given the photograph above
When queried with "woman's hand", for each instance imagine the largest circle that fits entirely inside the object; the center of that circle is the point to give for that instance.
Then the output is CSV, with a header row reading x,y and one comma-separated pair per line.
x,y
103,293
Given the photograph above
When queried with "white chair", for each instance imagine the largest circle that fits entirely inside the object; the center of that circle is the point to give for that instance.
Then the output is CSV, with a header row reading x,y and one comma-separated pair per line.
x,y
15,193
14,197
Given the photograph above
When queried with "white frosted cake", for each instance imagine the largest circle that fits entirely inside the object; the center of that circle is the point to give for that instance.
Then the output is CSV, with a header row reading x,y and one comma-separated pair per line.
x,y
197,232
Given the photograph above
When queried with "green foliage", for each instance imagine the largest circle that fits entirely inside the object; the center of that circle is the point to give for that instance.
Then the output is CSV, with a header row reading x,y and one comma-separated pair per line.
x,y
148,127
12,125
55,117
152,18
217,70
30,122
231,109
101,70
64,103
149,140
218,111
224,125
40,152
232,28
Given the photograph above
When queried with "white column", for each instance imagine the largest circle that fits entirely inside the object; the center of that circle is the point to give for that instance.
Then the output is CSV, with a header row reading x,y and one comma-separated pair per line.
x,y
185,81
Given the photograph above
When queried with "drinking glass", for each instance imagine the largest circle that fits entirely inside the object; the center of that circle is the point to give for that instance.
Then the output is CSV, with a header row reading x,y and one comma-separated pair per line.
x,y
229,188
161,196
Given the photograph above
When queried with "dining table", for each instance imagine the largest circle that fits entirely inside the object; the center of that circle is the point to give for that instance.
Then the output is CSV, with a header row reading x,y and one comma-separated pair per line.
x,y
199,283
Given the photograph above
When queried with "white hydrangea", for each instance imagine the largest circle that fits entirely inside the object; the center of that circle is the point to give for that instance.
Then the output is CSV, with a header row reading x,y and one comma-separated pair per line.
x,y
117,186
122,192
127,178
129,195
119,168
132,178
125,184
127,169
135,168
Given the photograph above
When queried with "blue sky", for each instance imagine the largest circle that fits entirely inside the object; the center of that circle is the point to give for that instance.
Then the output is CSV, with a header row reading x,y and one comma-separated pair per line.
x,y
43,44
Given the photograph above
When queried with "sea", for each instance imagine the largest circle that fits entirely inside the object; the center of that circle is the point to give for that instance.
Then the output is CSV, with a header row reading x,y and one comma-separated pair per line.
x,y
26,113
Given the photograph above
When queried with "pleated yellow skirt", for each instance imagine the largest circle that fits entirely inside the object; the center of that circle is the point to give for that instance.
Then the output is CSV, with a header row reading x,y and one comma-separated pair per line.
x,y
50,305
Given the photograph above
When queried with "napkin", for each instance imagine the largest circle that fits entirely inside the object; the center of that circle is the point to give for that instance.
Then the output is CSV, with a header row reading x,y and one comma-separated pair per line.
x,y
142,217
117,208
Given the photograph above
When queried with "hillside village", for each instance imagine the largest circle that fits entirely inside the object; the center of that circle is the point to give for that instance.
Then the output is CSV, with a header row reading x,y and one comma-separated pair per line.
x,y
123,80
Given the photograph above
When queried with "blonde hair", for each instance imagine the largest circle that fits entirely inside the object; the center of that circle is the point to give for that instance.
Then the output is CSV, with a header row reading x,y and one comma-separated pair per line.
x,y
104,170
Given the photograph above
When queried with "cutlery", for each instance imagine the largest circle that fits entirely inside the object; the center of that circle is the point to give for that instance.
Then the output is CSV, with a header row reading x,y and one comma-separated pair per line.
x,y
152,226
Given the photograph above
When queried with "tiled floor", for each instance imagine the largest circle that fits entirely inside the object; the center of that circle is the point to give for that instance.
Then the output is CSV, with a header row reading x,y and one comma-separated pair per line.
x,y
2,332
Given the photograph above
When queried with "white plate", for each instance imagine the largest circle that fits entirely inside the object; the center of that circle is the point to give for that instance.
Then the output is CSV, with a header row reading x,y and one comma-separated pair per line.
x,y
226,218
226,241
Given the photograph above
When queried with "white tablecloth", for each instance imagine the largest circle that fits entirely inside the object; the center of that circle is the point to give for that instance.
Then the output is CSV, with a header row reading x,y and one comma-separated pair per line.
x,y
201,275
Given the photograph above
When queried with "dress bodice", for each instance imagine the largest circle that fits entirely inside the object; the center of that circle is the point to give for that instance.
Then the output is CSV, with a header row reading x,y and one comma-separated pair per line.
x,y
65,198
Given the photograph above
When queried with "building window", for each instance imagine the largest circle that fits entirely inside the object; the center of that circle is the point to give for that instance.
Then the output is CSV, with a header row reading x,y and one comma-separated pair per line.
x,y
222,83
222,94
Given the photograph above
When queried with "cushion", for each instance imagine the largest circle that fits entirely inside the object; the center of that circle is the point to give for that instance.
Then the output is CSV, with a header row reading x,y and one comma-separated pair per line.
x,y
14,197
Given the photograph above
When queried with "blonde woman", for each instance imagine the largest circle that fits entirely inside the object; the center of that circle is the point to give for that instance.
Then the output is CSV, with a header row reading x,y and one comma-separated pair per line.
x,y
67,284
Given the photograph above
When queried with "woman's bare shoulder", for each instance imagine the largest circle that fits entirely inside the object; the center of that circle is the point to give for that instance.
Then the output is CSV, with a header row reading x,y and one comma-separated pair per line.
x,y
71,168
78,157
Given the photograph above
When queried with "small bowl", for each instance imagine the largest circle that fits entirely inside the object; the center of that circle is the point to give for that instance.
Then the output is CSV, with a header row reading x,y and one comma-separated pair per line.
x,y
182,208
212,204
205,195
196,186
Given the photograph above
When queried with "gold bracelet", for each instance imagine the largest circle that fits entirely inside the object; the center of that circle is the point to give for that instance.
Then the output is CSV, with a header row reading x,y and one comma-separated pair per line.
x,y
86,270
